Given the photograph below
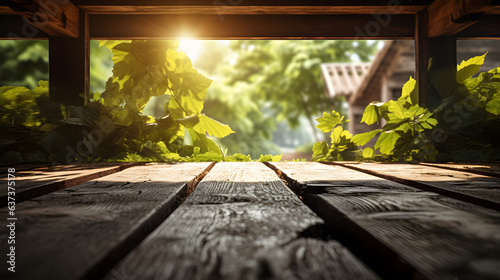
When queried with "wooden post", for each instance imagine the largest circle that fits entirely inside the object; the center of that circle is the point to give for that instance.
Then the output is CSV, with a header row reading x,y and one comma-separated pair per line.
x,y
435,59
69,66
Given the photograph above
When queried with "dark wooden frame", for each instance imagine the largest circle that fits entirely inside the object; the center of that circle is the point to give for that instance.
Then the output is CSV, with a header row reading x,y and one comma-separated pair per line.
x,y
434,25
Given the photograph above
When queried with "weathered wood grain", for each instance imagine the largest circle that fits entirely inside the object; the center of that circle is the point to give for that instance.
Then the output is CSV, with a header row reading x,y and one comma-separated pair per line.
x,y
241,222
488,169
81,232
38,181
469,187
412,233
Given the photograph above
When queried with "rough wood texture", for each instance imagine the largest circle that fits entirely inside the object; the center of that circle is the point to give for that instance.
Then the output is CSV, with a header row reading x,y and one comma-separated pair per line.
x,y
488,169
438,237
35,182
473,188
241,222
247,26
449,17
56,18
81,232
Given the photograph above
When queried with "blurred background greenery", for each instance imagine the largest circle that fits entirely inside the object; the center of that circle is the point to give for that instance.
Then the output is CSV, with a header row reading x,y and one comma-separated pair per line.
x,y
268,92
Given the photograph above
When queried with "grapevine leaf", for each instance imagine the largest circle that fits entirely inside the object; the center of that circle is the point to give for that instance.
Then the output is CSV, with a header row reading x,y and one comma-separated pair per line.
x,y
328,121
363,138
387,141
212,127
468,68
368,152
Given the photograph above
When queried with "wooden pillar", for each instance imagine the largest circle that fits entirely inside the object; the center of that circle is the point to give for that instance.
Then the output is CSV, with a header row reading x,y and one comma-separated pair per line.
x,y
69,66
435,60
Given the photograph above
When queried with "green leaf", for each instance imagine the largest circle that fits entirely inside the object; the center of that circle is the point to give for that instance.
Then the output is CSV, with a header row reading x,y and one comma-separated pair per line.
x,y
238,157
265,158
212,127
370,115
387,141
320,149
493,106
206,144
328,121
368,152
397,111
363,138
410,92
468,68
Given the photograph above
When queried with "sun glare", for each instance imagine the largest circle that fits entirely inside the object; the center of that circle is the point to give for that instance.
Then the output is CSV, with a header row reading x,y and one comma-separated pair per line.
x,y
192,48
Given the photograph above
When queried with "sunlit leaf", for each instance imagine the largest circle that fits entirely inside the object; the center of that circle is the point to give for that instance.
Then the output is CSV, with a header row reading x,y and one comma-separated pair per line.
x,y
363,138
387,141
328,121
368,152
468,68
212,127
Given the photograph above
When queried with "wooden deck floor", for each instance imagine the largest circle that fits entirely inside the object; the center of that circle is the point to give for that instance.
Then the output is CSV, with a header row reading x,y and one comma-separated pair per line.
x,y
283,220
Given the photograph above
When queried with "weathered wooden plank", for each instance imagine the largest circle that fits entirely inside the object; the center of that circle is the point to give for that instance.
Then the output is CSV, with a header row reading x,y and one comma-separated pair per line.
x,y
487,169
411,233
157,26
35,182
241,222
472,188
81,232
56,18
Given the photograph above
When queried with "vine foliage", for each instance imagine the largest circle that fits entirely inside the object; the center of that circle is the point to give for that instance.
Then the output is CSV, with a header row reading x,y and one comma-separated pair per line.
x,y
462,127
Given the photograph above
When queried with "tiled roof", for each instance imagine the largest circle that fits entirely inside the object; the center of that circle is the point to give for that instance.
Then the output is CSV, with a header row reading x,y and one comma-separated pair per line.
x,y
343,78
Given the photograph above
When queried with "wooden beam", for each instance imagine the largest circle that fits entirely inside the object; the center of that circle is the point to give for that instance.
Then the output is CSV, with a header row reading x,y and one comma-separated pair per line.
x,y
249,27
252,6
435,62
69,66
250,10
449,17
15,27
486,28
57,20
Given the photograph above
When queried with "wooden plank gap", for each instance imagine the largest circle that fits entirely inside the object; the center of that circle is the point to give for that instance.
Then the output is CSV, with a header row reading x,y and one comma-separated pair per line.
x,y
427,187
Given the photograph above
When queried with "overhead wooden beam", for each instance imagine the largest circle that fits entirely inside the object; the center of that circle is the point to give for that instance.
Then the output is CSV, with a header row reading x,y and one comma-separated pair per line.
x,y
449,17
252,6
249,27
54,18
69,66
15,27
487,28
